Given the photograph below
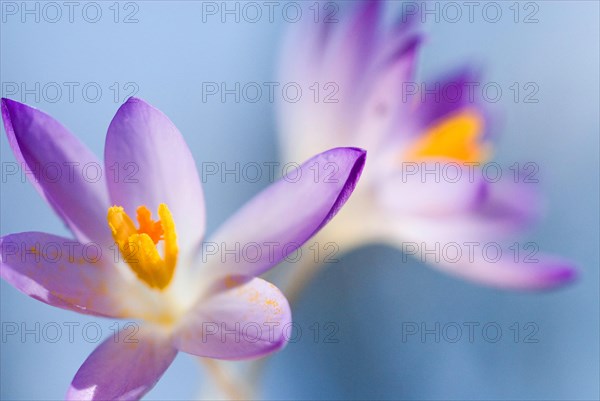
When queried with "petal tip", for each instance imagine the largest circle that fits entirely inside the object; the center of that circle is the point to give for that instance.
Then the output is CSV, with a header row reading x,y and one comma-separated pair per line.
x,y
139,105
360,157
359,150
356,167
567,273
12,110
555,275
12,105
134,103
359,164
133,99
8,107
6,101
360,153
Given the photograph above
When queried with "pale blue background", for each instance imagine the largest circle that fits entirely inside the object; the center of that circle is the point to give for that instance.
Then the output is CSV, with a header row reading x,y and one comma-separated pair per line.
x,y
170,52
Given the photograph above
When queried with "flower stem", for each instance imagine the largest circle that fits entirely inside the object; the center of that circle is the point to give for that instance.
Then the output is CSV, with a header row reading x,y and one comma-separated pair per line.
x,y
230,389
303,272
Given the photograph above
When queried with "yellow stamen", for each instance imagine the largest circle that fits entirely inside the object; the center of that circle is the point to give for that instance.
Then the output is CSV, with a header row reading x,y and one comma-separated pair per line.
x,y
153,228
458,137
139,246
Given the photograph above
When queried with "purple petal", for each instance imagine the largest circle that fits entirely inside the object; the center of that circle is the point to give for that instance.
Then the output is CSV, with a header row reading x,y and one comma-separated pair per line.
x,y
401,37
518,267
477,246
413,193
308,39
65,172
478,211
336,56
143,141
60,272
356,41
385,113
245,318
363,72
123,367
447,95
510,206
530,272
286,214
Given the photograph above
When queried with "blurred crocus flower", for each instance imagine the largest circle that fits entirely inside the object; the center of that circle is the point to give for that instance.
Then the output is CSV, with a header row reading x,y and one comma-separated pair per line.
x,y
427,188
159,272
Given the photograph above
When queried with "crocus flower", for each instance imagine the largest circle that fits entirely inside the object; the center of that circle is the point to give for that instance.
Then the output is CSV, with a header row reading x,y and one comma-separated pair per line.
x,y
185,298
457,217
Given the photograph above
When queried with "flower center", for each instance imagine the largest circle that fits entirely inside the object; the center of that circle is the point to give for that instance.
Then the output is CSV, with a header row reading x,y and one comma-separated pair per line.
x,y
458,137
139,247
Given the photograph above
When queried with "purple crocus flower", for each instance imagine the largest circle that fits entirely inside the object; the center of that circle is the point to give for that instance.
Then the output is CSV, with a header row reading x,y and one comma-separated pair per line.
x,y
186,298
362,75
